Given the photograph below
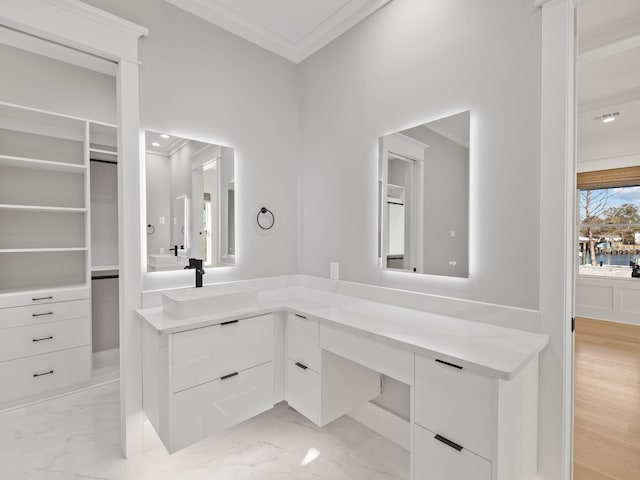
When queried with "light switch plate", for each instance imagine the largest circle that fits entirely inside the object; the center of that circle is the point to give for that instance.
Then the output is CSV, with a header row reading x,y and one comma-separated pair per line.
x,y
334,270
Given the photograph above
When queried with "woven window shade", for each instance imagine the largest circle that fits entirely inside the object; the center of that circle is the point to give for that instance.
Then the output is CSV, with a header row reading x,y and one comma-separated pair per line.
x,y
614,177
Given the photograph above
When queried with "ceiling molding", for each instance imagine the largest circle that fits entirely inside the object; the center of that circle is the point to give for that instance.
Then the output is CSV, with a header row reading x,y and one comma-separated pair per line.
x,y
609,49
447,133
322,34
619,99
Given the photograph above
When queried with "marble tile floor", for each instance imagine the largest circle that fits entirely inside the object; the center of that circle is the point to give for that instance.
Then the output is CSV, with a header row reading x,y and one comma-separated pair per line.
x,y
77,437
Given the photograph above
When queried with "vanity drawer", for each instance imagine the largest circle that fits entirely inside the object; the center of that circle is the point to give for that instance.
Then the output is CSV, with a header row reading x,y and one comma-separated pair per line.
x,y
44,338
208,353
363,348
51,312
303,343
456,403
435,459
210,408
41,297
41,373
303,391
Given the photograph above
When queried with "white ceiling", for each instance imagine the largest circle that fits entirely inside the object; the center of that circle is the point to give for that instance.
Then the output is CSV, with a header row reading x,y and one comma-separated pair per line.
x,y
608,79
294,29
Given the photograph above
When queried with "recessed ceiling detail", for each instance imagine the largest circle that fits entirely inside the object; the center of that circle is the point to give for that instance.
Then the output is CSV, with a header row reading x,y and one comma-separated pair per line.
x,y
294,29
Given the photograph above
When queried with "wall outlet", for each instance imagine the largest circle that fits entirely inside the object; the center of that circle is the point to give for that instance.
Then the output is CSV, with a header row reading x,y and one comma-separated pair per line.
x,y
452,263
334,271
453,234
161,250
161,220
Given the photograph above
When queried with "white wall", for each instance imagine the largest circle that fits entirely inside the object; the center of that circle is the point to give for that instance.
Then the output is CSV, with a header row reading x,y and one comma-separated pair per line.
x,y
199,81
410,63
158,176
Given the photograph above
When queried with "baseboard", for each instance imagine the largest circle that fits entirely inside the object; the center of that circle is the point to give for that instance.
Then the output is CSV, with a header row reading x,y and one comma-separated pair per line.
x,y
384,423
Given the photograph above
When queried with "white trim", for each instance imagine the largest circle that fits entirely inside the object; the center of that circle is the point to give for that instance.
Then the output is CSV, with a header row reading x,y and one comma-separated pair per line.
x,y
609,49
392,427
447,133
623,98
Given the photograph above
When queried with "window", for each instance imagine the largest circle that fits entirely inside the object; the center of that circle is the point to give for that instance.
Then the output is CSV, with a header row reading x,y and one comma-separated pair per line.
x,y
609,222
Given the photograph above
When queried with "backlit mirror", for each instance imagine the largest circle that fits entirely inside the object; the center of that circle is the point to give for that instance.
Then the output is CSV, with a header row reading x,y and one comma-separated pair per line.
x,y
190,202
423,188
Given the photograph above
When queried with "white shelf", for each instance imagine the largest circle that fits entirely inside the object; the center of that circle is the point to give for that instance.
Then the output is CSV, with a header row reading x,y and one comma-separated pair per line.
x,y
21,162
39,250
105,268
41,208
104,152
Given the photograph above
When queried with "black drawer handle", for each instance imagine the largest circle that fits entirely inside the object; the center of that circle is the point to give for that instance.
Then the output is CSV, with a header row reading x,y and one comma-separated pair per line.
x,y
229,322
50,372
449,364
42,339
229,376
448,442
304,367
41,314
301,316
41,298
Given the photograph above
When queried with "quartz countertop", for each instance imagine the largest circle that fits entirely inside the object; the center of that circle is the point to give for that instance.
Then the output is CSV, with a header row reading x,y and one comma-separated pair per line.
x,y
492,350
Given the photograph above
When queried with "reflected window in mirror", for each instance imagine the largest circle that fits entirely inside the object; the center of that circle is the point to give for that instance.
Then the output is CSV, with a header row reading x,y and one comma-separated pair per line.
x,y
423,204
190,202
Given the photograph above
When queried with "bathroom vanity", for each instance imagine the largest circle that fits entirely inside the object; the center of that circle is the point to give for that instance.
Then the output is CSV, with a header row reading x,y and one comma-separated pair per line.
x,y
474,387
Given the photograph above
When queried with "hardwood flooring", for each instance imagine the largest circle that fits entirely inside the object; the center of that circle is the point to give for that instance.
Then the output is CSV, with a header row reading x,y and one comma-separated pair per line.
x,y
606,401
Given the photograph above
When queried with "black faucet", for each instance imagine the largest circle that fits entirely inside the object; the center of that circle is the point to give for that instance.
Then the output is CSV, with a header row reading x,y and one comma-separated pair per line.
x,y
174,249
196,264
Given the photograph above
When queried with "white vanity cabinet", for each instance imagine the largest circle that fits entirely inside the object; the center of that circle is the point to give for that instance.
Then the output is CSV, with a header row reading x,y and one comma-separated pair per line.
x,y
45,339
470,425
200,381
321,385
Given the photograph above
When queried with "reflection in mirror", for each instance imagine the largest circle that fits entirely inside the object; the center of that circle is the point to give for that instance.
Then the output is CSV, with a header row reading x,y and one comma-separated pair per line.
x,y
190,202
423,204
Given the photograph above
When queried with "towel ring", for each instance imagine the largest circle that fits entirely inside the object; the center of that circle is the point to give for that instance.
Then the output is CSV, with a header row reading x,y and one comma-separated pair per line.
x,y
263,214
151,229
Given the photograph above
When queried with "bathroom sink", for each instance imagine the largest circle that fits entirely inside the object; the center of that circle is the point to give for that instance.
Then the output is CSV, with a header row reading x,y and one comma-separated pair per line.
x,y
212,299
162,259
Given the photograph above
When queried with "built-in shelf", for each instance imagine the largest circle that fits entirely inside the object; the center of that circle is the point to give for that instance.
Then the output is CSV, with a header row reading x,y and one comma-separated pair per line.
x,y
39,250
21,162
104,268
41,208
36,289
104,152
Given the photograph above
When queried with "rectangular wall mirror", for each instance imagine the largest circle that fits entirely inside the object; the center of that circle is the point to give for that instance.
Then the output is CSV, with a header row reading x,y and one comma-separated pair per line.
x,y
423,204
190,202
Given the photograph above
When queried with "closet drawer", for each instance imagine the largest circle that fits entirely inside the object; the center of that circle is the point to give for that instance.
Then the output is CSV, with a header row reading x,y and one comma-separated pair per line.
x,y
210,408
41,297
50,312
303,391
44,338
40,373
208,353
303,343
456,403
438,460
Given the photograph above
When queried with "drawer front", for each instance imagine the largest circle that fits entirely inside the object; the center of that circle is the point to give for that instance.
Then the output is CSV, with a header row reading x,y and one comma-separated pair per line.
x,y
360,348
436,460
42,297
44,338
50,312
456,403
303,344
214,406
303,391
41,373
209,353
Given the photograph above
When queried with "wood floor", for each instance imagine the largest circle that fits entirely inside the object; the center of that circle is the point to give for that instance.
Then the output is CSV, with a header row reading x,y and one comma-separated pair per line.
x,y
607,401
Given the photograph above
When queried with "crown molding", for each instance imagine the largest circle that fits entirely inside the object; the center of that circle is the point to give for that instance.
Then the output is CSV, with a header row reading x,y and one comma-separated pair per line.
x,y
327,31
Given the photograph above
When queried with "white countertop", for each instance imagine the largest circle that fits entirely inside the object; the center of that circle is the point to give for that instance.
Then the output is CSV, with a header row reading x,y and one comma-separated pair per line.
x,y
496,351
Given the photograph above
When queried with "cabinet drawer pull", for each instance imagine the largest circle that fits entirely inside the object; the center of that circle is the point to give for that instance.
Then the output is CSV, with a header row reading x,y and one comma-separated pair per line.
x,y
42,339
229,376
41,298
41,314
448,442
449,364
229,322
304,367
298,315
50,372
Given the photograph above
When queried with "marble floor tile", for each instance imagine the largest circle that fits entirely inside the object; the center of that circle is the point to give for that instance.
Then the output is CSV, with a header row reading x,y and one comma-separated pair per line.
x,y
77,437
